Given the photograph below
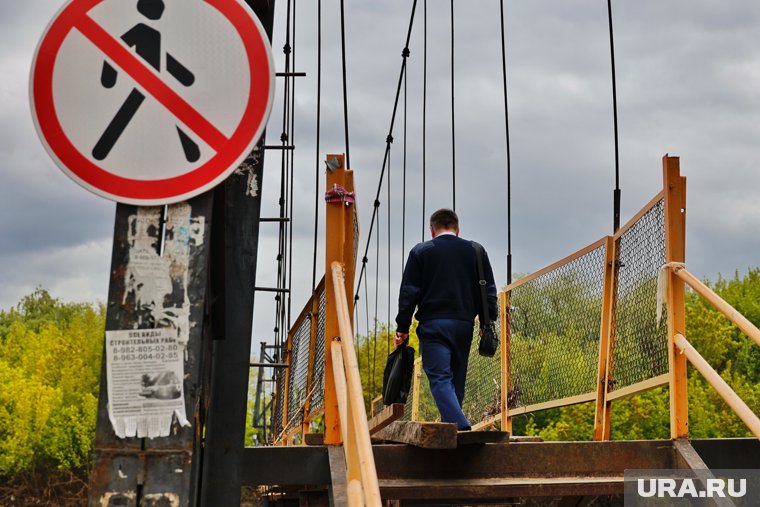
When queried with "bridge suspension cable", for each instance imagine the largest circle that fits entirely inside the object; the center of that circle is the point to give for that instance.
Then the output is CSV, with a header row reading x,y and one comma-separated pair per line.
x,y
506,130
453,123
345,89
616,193
388,141
424,115
318,155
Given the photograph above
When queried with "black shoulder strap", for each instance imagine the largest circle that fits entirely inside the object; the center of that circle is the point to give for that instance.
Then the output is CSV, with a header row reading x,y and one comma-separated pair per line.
x,y
482,282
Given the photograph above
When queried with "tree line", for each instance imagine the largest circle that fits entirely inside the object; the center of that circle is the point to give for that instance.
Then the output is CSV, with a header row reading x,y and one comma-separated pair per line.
x,y
50,360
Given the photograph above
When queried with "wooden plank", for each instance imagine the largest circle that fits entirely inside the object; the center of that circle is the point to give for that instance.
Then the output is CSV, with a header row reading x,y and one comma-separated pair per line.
x,y
523,438
572,400
338,476
385,417
314,438
482,437
427,435
639,387
489,423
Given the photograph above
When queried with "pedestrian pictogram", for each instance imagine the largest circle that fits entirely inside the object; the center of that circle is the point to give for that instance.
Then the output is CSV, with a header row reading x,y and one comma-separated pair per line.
x,y
151,101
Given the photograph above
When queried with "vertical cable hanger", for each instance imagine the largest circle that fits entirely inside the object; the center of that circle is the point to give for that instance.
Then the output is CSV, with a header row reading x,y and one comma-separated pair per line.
x,y
424,113
388,140
388,205
317,165
377,300
291,160
616,193
281,253
506,130
453,124
345,89
403,190
366,314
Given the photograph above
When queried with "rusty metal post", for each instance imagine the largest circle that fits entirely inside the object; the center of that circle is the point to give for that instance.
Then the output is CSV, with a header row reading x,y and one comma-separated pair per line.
x,y
338,243
606,336
131,471
675,251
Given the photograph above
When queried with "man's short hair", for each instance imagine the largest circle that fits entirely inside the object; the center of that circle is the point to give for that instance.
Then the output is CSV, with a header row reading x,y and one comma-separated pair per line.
x,y
444,218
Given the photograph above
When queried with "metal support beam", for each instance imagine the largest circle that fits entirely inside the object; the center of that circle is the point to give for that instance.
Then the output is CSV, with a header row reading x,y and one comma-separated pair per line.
x,y
128,471
236,229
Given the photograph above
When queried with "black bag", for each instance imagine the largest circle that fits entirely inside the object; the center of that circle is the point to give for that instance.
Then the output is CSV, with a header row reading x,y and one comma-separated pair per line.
x,y
489,340
397,377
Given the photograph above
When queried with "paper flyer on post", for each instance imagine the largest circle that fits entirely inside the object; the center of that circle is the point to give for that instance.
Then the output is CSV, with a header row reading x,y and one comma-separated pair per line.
x,y
145,371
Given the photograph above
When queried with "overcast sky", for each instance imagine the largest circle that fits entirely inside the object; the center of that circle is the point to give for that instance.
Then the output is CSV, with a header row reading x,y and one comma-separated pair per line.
x,y
688,78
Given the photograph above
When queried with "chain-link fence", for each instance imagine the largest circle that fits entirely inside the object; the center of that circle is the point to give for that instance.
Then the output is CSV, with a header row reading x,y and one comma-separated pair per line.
x,y
639,344
318,374
303,379
555,322
555,318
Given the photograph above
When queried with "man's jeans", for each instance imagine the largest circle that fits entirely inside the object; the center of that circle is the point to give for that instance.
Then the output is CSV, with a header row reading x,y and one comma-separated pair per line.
x,y
445,349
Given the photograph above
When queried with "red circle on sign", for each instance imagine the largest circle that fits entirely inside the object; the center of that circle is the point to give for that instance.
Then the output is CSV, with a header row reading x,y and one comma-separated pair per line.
x,y
230,152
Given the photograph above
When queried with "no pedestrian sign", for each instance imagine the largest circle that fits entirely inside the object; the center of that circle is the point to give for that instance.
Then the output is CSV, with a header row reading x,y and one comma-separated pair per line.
x,y
151,101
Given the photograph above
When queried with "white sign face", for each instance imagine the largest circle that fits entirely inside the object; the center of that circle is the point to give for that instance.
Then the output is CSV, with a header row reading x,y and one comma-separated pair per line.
x,y
151,101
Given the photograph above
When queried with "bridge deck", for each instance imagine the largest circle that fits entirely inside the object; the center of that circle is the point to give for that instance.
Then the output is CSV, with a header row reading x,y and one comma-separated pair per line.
x,y
497,471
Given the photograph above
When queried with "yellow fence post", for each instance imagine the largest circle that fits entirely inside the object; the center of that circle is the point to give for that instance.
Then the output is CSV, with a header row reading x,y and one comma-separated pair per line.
x,y
286,390
340,246
603,406
310,368
416,389
675,251
506,377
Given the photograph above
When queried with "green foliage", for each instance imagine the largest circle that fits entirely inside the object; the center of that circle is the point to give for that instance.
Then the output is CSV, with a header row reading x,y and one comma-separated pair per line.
x,y
50,354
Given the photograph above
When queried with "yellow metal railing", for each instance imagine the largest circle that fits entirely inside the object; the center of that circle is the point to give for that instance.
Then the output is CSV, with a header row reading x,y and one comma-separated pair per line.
x,y
361,473
584,329
689,352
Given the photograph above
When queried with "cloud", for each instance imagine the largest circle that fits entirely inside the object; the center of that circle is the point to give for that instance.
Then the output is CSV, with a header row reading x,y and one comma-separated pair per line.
x,y
687,84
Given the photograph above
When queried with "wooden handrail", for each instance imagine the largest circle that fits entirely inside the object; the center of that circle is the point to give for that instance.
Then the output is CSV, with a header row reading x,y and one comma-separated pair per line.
x,y
356,411
719,303
341,391
731,398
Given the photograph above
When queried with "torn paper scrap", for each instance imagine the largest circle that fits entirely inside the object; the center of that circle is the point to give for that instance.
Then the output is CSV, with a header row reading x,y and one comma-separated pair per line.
x,y
145,371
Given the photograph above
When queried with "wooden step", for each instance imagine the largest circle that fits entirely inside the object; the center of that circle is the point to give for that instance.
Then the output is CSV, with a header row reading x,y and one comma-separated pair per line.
x,y
435,435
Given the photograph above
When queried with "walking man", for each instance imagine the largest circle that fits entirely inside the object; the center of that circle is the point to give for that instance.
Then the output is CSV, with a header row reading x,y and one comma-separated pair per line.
x,y
441,282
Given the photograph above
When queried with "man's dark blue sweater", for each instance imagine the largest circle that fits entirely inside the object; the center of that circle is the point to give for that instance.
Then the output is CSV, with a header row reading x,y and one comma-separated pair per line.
x,y
441,281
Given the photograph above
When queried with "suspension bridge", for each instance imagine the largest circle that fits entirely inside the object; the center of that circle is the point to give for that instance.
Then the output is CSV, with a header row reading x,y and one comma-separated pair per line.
x,y
599,325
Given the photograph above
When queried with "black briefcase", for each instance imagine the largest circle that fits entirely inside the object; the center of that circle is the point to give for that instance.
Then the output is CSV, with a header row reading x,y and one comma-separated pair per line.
x,y
397,377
